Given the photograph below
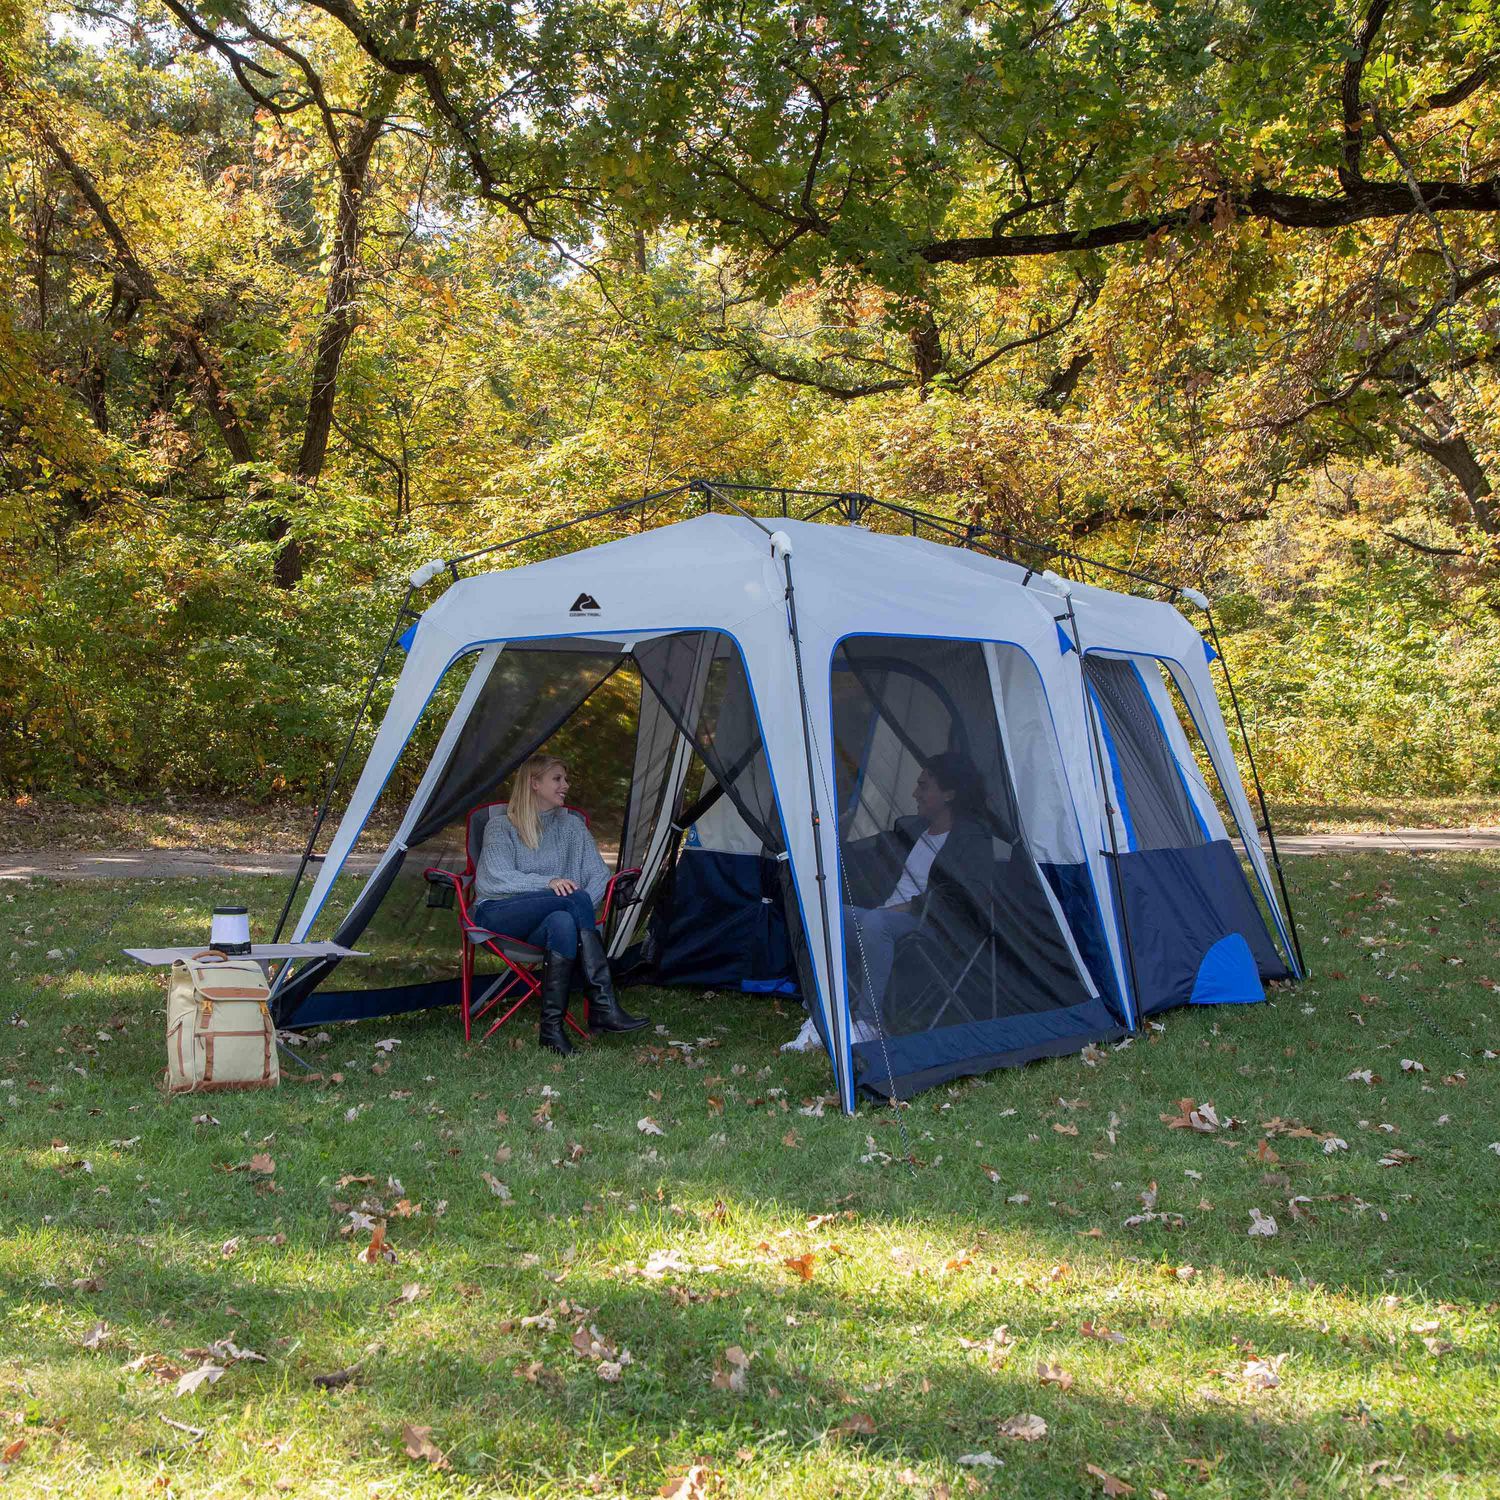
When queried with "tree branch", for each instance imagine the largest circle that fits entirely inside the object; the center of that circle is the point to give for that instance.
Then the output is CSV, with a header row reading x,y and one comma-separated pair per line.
x,y
1351,174
1370,200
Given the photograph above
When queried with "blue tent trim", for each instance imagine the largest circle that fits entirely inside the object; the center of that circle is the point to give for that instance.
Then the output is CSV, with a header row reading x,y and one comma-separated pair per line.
x,y
407,636
1182,905
905,1065
1064,640
1228,975
1209,654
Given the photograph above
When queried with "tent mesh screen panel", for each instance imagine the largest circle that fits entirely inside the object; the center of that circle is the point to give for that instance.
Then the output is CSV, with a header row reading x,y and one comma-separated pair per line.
x,y
700,680
1157,811
576,703
982,941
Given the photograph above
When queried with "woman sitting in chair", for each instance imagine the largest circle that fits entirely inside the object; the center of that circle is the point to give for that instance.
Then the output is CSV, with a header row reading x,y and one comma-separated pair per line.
x,y
539,878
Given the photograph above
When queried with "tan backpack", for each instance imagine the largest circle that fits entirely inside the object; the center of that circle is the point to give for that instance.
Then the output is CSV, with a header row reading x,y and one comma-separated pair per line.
x,y
219,1031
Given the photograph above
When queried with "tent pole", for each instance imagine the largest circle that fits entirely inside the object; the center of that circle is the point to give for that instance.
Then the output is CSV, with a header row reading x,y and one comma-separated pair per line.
x,y
1109,815
338,771
1260,794
817,817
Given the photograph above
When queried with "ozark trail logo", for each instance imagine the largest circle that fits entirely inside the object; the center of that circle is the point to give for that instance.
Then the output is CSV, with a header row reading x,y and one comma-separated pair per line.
x,y
585,604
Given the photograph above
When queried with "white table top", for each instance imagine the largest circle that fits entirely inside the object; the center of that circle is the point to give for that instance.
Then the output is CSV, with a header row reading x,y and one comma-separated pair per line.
x,y
259,952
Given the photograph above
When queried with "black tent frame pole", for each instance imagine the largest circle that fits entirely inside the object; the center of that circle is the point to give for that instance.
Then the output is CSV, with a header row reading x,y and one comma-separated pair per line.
x,y
1265,811
403,616
1105,786
812,792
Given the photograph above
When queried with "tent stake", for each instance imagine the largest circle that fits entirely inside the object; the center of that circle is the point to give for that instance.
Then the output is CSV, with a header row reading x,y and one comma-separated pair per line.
x,y
1265,811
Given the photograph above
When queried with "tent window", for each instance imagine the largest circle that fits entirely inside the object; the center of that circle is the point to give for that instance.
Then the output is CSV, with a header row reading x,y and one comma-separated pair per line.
x,y
972,933
1150,790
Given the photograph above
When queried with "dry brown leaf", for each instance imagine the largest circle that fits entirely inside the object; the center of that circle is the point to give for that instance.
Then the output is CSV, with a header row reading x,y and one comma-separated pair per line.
x,y
419,1445
1024,1427
96,1336
790,1140
13,1451
350,1178
1099,1331
1066,1129
194,1378
1263,1373
377,1250
1054,1375
696,1482
801,1264
261,1162
860,1424
1108,1483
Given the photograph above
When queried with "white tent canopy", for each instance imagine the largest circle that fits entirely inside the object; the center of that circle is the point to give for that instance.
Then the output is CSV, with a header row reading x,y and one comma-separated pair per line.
x,y
903,649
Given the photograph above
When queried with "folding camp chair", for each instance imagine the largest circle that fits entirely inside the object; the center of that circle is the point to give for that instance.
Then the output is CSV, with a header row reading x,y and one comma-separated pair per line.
x,y
520,977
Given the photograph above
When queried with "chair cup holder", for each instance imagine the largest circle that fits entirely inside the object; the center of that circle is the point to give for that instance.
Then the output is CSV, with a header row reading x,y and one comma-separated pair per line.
x,y
440,893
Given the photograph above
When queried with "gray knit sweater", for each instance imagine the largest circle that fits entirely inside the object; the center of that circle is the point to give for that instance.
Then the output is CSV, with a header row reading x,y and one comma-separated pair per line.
x,y
566,849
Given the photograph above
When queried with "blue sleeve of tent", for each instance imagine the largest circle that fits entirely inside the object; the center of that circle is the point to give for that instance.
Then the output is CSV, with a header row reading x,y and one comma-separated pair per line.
x,y
407,636
1064,640
1209,654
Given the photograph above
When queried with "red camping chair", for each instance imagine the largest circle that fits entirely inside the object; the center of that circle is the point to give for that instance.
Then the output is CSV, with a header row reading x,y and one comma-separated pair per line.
x,y
520,977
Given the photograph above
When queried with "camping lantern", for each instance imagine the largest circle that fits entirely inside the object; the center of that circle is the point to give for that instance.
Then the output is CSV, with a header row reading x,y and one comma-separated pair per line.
x,y
230,930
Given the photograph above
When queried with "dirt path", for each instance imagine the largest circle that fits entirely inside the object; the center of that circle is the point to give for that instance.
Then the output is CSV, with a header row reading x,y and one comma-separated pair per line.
x,y
169,864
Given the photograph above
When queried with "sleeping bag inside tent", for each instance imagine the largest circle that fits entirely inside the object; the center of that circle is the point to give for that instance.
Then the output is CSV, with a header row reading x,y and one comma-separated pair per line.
x,y
768,766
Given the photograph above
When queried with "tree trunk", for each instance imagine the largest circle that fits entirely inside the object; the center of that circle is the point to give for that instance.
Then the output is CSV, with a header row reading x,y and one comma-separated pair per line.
x,y
340,315
1446,444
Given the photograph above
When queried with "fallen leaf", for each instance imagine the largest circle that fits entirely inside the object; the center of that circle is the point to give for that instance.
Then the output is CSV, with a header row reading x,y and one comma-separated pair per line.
x,y
980,1461
801,1264
859,1423
694,1483
1099,1331
1438,1346
1263,1373
13,1451
194,1378
96,1336
409,1293
1108,1483
377,1250
495,1186
1025,1427
335,1379
261,1162
647,1126
419,1445
1054,1375
1066,1129
1261,1224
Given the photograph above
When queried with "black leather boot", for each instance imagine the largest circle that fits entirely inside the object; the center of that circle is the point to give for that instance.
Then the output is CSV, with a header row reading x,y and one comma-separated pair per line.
x,y
557,976
604,1012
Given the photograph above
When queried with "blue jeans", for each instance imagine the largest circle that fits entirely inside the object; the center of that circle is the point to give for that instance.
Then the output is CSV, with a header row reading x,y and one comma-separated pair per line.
x,y
870,939
540,917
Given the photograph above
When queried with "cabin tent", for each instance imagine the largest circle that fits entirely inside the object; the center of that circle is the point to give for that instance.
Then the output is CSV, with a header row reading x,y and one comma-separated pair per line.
x,y
791,685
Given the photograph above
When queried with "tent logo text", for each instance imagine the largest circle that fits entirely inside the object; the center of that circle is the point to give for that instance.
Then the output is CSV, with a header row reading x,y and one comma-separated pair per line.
x,y
585,604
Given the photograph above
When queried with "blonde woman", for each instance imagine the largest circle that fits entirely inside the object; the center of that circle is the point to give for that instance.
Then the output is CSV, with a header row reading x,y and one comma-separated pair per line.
x,y
539,878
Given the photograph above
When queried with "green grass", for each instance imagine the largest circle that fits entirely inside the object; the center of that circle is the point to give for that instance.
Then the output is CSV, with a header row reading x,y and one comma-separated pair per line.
x,y
116,1209
1376,814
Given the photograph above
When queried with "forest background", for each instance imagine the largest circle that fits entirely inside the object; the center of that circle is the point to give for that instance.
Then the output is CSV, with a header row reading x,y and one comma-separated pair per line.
x,y
299,295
